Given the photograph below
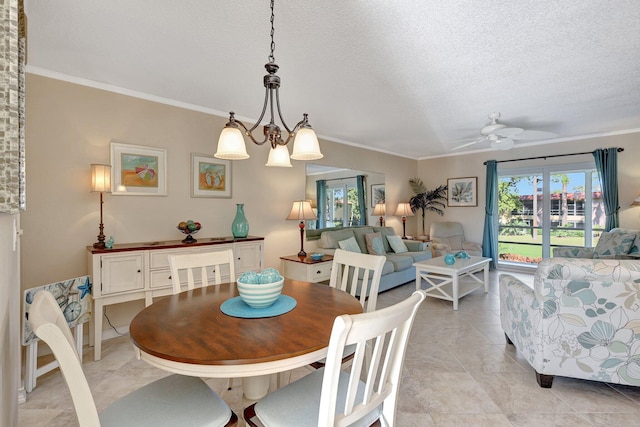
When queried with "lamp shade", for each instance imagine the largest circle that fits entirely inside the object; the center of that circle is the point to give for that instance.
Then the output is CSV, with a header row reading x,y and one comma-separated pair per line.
x,y
404,209
231,145
379,209
305,145
279,157
301,210
101,178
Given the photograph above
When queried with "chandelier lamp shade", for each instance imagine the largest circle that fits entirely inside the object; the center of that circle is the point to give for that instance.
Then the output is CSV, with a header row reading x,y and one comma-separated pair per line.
x,y
231,144
381,211
302,211
404,210
100,183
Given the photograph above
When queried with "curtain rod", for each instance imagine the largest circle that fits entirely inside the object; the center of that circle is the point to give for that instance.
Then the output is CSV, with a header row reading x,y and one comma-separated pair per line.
x,y
338,179
546,157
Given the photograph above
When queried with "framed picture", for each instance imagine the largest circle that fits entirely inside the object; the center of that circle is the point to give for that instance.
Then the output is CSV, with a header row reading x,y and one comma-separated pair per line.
x,y
138,170
377,194
210,177
462,191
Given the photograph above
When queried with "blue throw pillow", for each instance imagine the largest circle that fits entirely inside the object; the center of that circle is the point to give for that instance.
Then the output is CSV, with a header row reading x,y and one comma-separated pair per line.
x,y
350,244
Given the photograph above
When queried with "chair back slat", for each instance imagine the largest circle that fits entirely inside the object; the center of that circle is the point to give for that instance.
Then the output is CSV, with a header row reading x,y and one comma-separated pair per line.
x,y
204,263
49,324
359,275
374,383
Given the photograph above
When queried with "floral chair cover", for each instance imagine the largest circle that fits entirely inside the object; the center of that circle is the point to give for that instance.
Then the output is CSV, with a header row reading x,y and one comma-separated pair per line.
x,y
619,243
581,319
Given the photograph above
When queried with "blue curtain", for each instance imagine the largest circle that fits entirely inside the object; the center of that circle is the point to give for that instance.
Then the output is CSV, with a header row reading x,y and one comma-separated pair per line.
x,y
490,236
607,166
362,204
321,203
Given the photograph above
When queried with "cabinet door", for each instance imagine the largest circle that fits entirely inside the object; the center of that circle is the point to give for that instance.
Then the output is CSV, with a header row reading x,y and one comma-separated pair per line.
x,y
121,273
248,257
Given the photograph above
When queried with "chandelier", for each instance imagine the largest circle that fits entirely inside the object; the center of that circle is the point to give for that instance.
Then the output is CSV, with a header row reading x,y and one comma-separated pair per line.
x,y
231,144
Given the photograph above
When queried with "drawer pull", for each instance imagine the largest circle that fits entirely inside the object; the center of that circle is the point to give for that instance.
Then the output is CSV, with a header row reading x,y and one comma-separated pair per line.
x,y
139,271
319,271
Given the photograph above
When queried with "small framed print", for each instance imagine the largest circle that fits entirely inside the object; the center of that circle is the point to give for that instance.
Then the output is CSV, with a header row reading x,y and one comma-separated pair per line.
x,y
462,191
377,194
210,177
138,170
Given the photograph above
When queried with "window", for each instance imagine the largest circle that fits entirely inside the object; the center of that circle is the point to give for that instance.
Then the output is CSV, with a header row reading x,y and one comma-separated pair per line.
x,y
341,210
541,208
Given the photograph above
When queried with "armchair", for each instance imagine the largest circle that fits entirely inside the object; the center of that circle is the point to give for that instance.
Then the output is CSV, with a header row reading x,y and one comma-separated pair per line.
x,y
448,237
619,243
580,320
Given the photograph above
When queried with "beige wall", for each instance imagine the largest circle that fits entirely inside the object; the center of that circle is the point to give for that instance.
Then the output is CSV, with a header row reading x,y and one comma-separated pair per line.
x,y
70,126
436,171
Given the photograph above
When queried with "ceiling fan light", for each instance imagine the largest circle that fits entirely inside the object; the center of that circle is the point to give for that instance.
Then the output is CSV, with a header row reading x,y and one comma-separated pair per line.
x,y
231,145
305,145
279,157
503,144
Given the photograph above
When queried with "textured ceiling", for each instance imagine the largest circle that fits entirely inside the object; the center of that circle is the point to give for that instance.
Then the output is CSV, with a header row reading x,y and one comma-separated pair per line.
x,y
413,77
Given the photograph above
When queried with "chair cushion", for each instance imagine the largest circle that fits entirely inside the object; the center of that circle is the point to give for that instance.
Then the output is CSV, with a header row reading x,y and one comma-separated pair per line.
x,y
397,244
374,243
298,403
420,256
613,244
155,405
350,244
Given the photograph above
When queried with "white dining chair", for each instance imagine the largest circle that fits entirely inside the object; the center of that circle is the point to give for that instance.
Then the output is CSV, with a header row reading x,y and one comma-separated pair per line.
x,y
330,396
358,274
204,263
175,400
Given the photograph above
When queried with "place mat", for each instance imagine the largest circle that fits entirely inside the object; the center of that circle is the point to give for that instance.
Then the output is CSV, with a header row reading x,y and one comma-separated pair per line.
x,y
236,307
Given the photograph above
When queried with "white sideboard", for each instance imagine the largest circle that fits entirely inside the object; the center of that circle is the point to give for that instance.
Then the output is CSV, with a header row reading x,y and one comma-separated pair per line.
x,y
136,271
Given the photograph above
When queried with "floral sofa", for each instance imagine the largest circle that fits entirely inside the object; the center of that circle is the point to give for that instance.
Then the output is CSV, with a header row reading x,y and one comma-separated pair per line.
x,y
619,243
580,320
397,270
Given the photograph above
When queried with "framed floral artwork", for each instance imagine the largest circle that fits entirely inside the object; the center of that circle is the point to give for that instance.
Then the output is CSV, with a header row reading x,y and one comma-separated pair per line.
x,y
210,177
462,191
138,170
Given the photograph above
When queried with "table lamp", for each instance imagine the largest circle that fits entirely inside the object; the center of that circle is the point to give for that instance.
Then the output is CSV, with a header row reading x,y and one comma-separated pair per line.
x,y
301,210
404,210
100,182
380,209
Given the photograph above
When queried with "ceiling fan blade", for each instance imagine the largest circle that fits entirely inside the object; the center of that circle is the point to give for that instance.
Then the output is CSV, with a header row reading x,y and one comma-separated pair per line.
x,y
503,144
534,134
459,147
508,132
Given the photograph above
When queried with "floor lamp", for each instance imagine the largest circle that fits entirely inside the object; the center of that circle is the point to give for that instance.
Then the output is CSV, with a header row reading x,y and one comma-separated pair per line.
x,y
380,210
302,211
404,210
100,182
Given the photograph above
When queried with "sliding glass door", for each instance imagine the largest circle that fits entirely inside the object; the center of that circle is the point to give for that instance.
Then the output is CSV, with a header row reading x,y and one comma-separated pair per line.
x,y
342,204
544,207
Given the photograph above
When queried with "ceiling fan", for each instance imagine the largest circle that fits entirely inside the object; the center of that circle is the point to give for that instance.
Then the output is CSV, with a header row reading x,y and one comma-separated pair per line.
x,y
503,137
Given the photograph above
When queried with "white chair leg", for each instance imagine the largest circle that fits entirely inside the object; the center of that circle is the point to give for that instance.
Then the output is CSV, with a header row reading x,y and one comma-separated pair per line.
x,y
79,330
31,365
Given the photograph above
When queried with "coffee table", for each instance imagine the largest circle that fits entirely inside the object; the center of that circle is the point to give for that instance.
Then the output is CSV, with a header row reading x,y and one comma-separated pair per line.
x,y
444,279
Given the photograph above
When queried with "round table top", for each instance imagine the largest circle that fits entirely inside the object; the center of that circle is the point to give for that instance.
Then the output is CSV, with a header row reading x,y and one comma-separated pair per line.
x,y
190,327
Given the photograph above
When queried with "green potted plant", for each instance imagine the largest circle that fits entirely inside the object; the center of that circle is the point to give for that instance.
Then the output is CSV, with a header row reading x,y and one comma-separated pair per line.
x,y
427,200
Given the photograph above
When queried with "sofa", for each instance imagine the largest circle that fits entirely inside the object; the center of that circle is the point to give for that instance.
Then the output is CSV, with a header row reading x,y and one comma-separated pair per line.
x,y
398,268
619,243
581,319
448,238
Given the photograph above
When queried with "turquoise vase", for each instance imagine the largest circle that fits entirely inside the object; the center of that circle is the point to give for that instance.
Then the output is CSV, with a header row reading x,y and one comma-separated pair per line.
x,y
240,225
449,259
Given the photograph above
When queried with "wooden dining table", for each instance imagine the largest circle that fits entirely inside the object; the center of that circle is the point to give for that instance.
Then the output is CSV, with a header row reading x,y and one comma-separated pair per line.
x,y
188,334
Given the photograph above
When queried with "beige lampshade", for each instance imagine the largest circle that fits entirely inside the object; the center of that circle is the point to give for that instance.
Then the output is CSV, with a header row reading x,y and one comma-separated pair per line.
x,y
404,209
379,209
305,145
279,157
101,178
301,210
231,145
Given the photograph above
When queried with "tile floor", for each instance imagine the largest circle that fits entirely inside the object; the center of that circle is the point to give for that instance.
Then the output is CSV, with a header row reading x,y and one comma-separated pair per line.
x,y
458,372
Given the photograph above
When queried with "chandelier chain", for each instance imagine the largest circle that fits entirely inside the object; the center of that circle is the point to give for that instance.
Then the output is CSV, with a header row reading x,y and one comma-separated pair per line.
x,y
272,59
